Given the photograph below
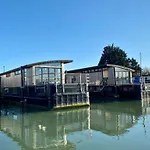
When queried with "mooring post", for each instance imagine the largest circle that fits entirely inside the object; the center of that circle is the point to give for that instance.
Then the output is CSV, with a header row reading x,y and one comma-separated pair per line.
x,y
62,94
48,96
87,88
22,86
116,91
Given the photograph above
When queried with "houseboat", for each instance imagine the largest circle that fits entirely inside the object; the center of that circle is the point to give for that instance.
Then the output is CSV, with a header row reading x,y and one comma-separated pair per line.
x,y
108,80
43,84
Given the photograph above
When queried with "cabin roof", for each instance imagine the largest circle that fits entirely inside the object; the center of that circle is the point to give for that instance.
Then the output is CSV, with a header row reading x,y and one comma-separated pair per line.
x,y
37,63
99,67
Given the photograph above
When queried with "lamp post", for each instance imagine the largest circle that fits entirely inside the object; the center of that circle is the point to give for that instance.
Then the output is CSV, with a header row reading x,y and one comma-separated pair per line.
x,y
3,68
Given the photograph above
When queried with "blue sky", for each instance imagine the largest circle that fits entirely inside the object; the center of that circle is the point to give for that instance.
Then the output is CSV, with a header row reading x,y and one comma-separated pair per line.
x,y
37,30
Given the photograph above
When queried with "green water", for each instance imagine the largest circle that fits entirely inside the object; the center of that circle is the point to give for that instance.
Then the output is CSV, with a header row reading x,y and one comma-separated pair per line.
x,y
109,126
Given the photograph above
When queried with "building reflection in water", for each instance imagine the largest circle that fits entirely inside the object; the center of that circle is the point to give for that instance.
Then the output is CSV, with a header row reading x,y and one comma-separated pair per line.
x,y
115,119
55,129
44,130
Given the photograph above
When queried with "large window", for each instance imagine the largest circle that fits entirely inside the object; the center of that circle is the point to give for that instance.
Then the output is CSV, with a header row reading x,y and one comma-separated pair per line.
x,y
38,71
38,80
58,75
44,75
45,78
51,70
45,70
28,76
122,76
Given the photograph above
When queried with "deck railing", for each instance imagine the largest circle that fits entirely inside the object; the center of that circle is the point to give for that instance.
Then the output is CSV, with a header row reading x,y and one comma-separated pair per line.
x,y
72,88
112,81
85,78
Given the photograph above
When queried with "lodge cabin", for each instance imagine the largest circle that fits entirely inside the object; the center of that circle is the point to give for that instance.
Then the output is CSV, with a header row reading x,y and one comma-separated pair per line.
x,y
44,81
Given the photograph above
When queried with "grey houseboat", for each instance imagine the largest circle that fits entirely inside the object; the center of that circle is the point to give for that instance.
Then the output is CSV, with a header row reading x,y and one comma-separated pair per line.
x,y
102,74
43,83
107,81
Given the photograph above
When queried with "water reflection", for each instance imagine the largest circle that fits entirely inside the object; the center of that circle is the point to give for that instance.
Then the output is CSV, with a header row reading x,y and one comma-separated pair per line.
x,y
115,119
65,129
145,111
43,130
146,105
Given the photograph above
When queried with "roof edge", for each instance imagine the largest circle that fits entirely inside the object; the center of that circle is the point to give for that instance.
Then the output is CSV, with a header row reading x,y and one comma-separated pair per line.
x,y
100,66
37,63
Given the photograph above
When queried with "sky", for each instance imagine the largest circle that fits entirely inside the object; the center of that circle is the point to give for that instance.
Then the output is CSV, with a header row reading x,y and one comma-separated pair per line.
x,y
38,30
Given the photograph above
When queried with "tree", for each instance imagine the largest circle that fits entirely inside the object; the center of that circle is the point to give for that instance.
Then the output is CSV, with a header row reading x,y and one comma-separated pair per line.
x,y
115,55
133,64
